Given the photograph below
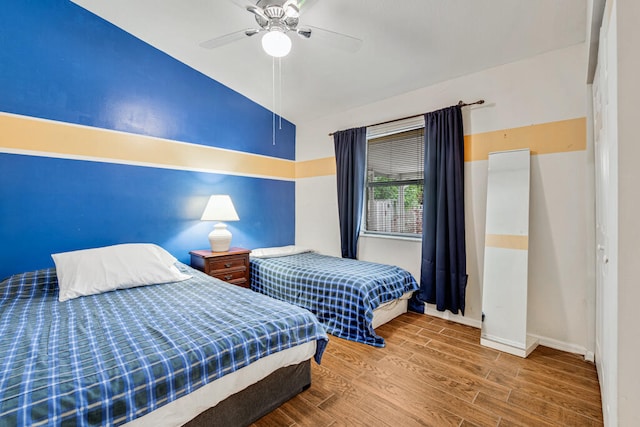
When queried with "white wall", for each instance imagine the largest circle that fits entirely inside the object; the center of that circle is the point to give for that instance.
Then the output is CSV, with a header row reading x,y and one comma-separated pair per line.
x,y
539,90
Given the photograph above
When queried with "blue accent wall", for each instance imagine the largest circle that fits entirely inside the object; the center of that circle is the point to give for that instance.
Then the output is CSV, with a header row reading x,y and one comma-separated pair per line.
x,y
61,62
57,205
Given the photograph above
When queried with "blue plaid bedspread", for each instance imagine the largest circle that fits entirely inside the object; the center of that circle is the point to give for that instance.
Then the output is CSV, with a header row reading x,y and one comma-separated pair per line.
x,y
107,359
341,292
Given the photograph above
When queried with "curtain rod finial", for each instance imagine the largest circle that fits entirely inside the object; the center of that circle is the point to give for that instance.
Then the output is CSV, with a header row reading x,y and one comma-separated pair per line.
x,y
464,104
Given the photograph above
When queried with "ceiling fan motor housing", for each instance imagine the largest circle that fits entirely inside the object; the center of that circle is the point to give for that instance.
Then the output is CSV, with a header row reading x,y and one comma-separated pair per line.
x,y
277,17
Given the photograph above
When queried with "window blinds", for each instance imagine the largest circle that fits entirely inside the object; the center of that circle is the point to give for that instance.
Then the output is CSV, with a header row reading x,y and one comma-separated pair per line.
x,y
397,157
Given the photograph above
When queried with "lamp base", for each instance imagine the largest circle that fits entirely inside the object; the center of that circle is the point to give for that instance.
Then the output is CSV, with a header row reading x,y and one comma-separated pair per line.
x,y
220,238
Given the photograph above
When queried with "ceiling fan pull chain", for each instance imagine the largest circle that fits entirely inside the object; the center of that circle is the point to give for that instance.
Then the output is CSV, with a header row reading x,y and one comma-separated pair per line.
x,y
273,100
280,92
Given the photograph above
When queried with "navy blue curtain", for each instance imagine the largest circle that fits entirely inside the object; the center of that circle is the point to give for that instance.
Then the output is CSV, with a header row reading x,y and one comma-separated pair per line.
x,y
443,276
351,149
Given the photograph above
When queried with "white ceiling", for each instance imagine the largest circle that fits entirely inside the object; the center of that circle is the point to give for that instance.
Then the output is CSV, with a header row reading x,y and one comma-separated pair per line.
x,y
408,44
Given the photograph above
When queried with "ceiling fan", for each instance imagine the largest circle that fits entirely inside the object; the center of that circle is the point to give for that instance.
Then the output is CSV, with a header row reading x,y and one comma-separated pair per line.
x,y
277,18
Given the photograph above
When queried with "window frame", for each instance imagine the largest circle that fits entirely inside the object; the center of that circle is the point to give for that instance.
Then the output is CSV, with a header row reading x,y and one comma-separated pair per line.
x,y
379,131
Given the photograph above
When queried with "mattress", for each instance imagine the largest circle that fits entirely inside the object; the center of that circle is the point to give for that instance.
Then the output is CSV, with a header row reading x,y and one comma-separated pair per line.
x,y
390,310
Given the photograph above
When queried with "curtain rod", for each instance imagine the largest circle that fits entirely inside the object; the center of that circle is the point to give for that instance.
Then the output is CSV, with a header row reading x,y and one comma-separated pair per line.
x,y
459,104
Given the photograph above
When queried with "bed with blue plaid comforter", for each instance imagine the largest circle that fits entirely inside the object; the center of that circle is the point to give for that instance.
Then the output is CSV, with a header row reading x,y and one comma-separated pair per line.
x,y
107,359
341,292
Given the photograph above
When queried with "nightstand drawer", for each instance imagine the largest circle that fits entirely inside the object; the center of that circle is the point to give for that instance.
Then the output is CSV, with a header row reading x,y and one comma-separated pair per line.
x,y
228,263
230,276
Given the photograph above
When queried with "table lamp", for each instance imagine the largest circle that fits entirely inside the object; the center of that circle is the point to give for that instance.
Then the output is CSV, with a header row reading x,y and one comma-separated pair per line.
x,y
219,208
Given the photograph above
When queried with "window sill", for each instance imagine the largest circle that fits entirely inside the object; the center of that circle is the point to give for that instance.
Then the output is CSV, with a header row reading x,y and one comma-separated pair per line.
x,y
390,237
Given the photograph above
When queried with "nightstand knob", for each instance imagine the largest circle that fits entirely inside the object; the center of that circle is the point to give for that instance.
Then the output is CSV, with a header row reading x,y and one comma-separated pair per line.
x,y
227,265
228,277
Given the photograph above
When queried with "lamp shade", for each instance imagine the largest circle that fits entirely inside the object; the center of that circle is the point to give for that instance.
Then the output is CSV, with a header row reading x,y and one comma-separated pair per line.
x,y
219,208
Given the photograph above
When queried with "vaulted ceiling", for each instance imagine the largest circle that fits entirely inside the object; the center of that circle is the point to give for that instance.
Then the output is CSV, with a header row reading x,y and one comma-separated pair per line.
x,y
407,44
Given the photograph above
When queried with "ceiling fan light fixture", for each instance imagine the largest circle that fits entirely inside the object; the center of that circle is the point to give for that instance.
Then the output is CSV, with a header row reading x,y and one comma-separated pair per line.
x,y
276,43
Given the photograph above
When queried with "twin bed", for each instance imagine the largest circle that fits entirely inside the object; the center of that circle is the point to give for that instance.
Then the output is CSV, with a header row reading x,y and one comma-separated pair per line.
x,y
350,297
152,355
193,350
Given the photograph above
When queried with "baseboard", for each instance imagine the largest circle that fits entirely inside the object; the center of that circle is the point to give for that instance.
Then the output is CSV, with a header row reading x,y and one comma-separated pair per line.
x,y
517,349
447,315
544,341
565,346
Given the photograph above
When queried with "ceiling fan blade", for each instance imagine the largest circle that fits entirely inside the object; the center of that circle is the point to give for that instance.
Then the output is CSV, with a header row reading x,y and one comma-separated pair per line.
x,y
257,11
338,40
305,5
251,7
244,4
229,38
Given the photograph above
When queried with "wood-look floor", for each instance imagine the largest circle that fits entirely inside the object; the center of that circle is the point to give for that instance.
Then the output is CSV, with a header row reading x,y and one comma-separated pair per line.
x,y
434,372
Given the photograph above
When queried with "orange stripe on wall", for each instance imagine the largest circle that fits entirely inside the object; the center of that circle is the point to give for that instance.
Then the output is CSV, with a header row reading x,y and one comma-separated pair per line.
x,y
546,138
507,241
316,167
43,137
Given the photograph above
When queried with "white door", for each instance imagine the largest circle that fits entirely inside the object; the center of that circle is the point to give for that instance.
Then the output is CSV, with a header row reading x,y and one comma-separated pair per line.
x,y
601,185
606,200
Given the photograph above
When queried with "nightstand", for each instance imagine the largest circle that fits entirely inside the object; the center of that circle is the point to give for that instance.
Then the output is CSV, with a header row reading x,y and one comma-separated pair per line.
x,y
231,266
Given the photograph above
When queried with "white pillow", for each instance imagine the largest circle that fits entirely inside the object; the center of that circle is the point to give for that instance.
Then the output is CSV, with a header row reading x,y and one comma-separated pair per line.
x,y
278,251
93,271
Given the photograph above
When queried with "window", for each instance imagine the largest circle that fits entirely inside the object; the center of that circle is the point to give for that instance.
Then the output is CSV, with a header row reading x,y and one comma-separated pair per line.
x,y
395,178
